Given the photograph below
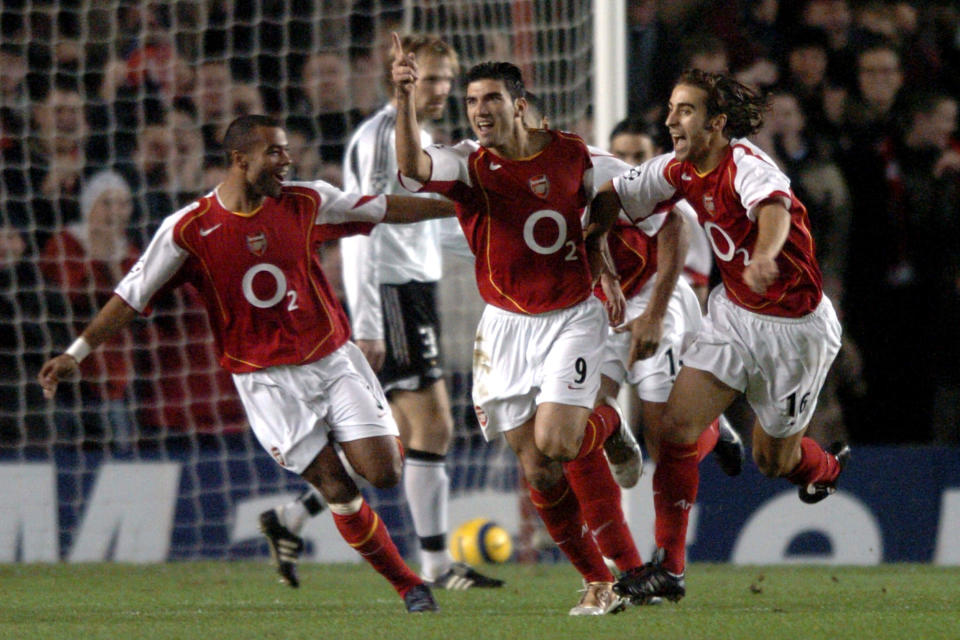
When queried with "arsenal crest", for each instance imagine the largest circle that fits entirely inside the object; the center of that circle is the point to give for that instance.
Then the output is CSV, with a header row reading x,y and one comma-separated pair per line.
x,y
540,186
708,203
278,456
257,243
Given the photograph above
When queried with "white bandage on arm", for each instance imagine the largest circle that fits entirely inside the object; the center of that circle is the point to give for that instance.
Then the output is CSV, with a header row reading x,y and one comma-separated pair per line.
x,y
79,350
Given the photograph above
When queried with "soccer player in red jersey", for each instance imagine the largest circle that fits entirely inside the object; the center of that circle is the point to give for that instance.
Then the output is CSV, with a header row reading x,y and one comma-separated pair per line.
x,y
770,332
521,195
250,249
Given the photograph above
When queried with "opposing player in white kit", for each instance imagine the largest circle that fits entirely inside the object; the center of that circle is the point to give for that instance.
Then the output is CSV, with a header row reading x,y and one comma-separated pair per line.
x,y
770,332
250,248
521,194
390,278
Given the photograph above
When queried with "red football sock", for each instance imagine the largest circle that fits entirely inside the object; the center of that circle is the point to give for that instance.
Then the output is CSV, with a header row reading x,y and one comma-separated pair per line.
x,y
708,440
674,492
599,498
560,511
816,465
601,423
365,532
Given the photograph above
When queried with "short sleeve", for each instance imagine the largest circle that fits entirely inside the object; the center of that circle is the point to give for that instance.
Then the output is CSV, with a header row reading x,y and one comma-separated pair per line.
x,y
159,263
644,189
757,181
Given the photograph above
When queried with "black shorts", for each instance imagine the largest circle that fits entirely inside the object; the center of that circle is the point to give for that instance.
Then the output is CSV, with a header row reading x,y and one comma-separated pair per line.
x,y
411,329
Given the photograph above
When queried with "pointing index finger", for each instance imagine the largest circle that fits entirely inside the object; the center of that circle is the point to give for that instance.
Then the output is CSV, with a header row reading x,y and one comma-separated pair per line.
x,y
397,46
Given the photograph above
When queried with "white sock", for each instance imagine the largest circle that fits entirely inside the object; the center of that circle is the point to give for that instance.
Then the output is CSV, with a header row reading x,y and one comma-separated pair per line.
x,y
427,488
293,516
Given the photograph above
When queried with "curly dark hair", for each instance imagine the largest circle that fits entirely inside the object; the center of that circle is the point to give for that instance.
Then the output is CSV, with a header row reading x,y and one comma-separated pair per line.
x,y
743,106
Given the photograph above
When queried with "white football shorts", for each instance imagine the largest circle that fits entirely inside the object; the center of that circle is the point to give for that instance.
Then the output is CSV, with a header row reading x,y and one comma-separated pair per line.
x,y
293,409
654,376
522,361
779,363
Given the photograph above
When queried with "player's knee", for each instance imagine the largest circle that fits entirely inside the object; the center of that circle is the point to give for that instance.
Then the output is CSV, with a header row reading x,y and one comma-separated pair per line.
x,y
385,476
553,445
674,427
770,465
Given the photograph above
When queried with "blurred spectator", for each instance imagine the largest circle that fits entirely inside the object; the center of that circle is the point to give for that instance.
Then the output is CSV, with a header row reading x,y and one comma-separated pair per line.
x,y
805,76
84,262
152,176
180,386
903,271
32,326
304,154
652,68
706,52
323,104
367,90
57,158
212,97
14,100
835,18
188,162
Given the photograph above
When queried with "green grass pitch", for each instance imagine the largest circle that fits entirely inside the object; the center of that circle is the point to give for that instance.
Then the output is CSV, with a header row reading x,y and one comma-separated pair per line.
x,y
243,600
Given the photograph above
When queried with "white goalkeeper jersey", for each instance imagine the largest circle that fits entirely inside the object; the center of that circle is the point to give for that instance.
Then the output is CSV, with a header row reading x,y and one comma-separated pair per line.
x,y
391,254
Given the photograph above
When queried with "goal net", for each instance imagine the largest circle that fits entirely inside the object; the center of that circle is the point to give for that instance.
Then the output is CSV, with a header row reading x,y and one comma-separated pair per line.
x,y
111,117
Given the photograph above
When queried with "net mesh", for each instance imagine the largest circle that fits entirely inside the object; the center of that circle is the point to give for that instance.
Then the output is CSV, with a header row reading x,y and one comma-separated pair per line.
x,y
125,102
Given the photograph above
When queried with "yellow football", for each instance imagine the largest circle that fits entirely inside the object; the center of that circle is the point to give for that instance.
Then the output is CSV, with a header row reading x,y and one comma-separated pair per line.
x,y
480,540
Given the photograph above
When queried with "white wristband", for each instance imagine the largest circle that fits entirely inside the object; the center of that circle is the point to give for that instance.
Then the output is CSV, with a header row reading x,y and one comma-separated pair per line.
x,y
79,350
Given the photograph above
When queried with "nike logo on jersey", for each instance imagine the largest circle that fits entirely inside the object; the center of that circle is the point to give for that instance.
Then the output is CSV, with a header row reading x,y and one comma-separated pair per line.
x,y
686,176
206,232
494,166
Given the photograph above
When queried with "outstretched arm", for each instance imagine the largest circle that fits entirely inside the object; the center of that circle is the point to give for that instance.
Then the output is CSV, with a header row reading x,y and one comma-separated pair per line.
x,y
406,209
412,160
114,316
773,226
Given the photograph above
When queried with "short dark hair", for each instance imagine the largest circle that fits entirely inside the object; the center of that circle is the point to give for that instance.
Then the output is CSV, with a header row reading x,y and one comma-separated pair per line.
x,y
241,133
507,73
637,126
743,106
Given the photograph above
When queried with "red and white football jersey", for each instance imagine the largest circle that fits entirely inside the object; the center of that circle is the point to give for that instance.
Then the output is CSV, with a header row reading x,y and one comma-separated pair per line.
x,y
726,200
258,273
522,220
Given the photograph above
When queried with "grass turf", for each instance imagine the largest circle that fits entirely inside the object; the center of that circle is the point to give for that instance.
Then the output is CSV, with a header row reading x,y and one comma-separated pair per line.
x,y
243,600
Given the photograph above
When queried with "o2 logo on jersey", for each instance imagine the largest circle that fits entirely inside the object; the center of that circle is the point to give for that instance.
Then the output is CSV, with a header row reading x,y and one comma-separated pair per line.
x,y
531,241
279,292
729,251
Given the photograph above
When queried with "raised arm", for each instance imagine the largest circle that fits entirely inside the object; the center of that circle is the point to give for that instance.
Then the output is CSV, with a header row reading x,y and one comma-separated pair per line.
x,y
773,226
412,160
114,316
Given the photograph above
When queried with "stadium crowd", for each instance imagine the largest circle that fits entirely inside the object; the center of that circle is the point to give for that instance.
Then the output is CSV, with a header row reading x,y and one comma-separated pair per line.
x,y
106,131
